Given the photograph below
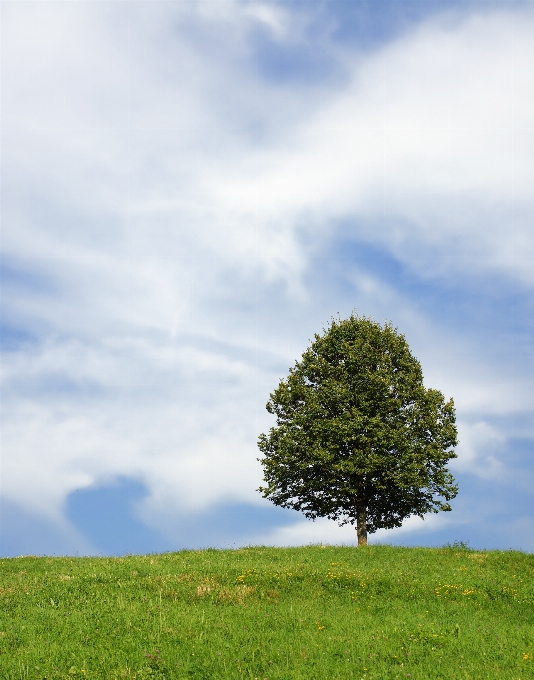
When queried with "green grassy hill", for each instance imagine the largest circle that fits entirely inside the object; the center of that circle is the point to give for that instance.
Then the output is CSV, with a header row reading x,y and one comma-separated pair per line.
x,y
311,613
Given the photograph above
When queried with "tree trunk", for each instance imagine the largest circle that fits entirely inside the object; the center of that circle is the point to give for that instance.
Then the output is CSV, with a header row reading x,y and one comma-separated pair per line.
x,y
361,521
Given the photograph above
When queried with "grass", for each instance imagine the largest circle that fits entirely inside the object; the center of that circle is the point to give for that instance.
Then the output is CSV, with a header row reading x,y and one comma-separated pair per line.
x,y
316,612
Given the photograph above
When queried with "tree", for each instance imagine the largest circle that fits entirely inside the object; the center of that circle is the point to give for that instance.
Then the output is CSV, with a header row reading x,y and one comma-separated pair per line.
x,y
358,437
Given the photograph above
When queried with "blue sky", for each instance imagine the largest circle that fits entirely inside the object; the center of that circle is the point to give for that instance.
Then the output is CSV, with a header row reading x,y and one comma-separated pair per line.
x,y
191,190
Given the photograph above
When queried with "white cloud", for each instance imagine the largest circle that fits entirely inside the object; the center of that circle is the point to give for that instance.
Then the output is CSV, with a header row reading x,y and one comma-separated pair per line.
x,y
271,16
478,453
306,532
432,141
172,199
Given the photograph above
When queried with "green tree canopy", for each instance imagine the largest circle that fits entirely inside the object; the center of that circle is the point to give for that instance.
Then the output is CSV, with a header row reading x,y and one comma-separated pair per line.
x,y
358,438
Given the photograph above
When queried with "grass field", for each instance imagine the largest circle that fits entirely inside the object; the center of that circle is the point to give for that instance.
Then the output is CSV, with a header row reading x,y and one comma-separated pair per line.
x,y
316,612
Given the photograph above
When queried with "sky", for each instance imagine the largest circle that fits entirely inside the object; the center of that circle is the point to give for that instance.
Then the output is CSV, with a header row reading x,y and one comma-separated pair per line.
x,y
191,190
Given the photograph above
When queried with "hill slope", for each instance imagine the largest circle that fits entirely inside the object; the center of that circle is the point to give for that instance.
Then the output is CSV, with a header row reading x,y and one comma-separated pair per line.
x,y
312,613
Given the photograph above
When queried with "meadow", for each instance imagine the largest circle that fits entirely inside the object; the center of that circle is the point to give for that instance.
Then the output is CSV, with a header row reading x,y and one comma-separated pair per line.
x,y
325,613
